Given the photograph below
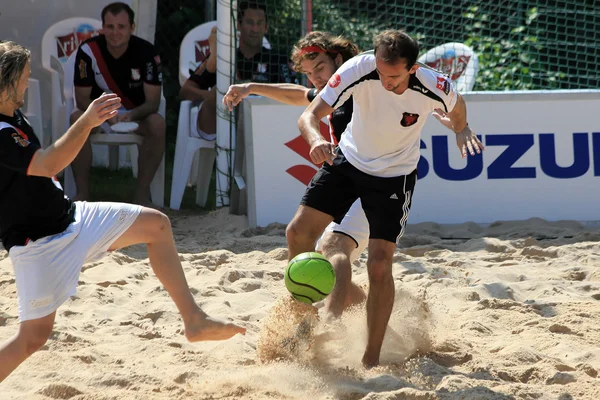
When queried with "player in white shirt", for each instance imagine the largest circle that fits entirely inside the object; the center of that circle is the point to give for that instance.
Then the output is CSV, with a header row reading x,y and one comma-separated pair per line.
x,y
376,159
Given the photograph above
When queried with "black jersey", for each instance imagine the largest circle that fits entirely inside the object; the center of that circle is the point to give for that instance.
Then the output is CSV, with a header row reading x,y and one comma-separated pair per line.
x,y
339,118
31,207
265,67
125,76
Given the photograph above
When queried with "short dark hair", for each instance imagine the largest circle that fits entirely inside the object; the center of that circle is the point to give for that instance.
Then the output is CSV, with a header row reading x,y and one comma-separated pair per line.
x,y
116,8
251,5
393,45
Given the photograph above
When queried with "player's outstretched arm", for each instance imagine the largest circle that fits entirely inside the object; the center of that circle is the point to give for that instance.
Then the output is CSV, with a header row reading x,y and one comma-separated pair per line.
x,y
50,161
287,93
320,149
456,120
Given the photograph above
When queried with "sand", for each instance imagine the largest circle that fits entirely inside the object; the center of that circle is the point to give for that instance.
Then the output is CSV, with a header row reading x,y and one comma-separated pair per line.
x,y
506,311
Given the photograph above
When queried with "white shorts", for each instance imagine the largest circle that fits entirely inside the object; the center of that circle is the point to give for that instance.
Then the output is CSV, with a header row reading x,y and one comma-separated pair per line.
x,y
47,270
355,225
196,131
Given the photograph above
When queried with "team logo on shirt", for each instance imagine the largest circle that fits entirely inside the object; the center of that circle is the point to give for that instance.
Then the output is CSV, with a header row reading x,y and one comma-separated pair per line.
x,y
409,119
334,81
443,84
149,71
135,74
21,139
82,69
261,68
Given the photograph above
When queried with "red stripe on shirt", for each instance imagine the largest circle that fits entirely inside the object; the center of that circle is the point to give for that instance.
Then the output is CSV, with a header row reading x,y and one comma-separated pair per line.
x,y
129,105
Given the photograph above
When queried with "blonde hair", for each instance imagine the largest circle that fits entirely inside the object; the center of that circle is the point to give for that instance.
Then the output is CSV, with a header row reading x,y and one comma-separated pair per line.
x,y
13,60
325,42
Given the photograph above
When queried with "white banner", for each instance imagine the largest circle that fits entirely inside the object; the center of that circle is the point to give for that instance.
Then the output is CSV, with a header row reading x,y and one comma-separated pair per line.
x,y
542,159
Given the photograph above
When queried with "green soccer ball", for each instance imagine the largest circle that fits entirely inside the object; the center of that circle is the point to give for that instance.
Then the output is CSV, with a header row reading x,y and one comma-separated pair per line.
x,y
309,277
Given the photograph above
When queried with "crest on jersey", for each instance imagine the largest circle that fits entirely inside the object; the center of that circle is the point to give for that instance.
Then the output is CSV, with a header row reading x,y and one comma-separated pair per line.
x,y
135,74
443,84
409,119
82,69
261,68
21,139
334,81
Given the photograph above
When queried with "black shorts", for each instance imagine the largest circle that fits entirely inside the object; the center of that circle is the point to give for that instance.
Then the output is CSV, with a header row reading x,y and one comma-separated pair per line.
x,y
386,201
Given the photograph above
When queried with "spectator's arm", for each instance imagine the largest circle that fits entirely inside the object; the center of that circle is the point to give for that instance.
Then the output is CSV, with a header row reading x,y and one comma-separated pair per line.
x,y
150,106
192,91
83,79
83,97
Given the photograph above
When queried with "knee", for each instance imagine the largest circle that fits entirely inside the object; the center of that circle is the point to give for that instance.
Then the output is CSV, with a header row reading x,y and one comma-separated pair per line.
x,y
296,233
338,258
379,267
160,225
34,339
155,125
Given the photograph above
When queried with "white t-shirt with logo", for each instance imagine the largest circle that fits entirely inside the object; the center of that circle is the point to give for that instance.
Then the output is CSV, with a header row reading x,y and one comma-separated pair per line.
x,y
383,137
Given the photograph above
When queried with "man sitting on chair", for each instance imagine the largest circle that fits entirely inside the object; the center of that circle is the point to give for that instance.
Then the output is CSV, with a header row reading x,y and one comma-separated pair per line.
x,y
119,62
254,63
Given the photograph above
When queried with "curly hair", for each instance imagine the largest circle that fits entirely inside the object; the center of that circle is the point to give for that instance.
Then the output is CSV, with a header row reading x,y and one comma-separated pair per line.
x,y
13,60
321,42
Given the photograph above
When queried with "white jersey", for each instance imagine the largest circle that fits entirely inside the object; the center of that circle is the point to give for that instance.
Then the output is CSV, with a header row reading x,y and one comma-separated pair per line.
x,y
383,137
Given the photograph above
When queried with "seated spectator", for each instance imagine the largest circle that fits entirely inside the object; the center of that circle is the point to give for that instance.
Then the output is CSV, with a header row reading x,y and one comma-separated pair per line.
x,y
119,62
254,63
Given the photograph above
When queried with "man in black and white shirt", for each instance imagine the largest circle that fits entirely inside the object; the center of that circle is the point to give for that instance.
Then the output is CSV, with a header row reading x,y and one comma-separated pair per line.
x,y
49,237
376,159
119,62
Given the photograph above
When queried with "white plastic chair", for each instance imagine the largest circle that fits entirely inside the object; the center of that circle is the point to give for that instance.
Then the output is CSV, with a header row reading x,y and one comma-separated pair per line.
x,y
193,50
456,60
185,149
59,42
33,111
63,105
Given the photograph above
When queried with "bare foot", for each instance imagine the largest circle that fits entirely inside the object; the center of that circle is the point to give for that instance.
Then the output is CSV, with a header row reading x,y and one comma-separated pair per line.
x,y
370,362
207,328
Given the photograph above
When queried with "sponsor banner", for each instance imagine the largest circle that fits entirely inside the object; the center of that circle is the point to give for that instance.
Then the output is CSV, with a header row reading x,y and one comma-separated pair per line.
x,y
542,159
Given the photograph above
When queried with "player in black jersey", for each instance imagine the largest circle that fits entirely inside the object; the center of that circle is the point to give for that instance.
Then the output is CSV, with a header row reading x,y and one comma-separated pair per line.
x,y
119,62
319,55
254,63
49,238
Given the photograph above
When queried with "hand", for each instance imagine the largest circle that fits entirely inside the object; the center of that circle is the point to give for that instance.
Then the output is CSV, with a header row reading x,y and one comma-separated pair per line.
x,y
466,139
442,116
124,117
235,94
322,151
102,109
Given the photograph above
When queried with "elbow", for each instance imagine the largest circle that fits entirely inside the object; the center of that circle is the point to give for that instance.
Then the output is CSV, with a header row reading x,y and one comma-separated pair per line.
x,y
301,121
40,165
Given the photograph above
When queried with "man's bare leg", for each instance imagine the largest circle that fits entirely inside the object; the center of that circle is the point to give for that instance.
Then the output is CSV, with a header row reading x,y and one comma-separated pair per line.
x,y
32,335
338,248
380,300
304,230
207,117
154,229
81,165
153,129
